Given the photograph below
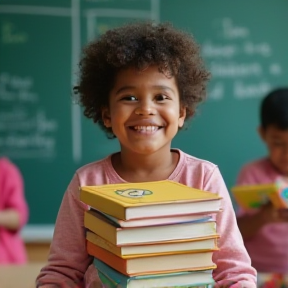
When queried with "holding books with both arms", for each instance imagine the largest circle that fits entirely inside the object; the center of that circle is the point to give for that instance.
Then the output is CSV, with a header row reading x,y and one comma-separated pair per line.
x,y
140,234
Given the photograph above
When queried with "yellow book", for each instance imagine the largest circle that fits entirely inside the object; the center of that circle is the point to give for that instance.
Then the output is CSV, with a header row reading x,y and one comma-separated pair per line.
x,y
208,243
254,196
146,234
127,201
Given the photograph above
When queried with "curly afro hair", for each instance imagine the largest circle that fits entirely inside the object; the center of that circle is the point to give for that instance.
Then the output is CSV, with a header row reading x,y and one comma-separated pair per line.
x,y
140,44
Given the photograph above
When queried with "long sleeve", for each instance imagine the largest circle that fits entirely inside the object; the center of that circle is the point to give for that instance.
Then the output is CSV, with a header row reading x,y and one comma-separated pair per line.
x,y
233,262
12,248
246,177
256,172
68,259
14,190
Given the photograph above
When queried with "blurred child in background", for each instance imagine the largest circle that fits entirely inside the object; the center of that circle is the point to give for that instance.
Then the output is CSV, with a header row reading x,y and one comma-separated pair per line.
x,y
265,232
13,214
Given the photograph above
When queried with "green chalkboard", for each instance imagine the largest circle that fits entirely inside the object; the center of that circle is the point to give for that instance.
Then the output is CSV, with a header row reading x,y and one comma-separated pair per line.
x,y
243,43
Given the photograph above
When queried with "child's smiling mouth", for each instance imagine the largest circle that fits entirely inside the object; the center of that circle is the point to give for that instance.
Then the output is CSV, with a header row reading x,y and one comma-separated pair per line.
x,y
150,129
146,128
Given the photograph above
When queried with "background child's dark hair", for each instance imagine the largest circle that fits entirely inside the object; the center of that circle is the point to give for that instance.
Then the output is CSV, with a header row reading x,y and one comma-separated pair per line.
x,y
140,44
274,109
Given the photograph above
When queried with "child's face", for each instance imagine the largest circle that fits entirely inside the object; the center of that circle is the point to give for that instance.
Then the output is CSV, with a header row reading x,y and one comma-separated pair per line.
x,y
144,110
277,144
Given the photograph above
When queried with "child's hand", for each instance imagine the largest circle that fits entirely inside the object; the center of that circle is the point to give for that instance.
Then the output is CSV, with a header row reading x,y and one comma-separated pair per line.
x,y
269,214
283,215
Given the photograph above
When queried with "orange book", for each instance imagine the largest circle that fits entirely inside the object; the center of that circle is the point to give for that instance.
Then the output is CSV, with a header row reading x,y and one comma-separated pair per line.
x,y
148,265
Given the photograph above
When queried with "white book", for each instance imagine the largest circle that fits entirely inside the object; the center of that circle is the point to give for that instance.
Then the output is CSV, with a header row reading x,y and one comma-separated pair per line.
x,y
149,234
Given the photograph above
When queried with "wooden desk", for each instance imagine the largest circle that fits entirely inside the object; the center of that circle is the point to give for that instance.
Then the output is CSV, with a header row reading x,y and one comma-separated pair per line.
x,y
37,252
14,276
37,239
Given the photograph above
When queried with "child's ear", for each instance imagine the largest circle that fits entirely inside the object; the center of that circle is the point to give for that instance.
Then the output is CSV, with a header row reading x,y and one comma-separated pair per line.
x,y
106,117
182,116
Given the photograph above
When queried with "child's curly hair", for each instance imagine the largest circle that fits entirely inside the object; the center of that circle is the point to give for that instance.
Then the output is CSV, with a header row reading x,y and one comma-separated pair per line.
x,y
140,44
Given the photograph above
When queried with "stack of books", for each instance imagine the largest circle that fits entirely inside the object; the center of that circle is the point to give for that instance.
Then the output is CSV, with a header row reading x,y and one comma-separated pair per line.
x,y
151,234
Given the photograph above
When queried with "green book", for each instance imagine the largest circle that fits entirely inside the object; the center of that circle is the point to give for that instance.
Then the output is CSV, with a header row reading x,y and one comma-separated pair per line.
x,y
111,278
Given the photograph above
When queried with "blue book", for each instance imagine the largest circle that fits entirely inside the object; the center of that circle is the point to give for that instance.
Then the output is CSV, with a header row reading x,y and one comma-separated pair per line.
x,y
111,278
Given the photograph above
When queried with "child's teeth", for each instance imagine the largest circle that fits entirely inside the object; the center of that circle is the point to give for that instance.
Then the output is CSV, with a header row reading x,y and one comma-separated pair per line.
x,y
145,128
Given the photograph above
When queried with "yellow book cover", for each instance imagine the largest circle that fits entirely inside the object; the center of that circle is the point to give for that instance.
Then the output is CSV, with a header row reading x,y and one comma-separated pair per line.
x,y
127,201
254,196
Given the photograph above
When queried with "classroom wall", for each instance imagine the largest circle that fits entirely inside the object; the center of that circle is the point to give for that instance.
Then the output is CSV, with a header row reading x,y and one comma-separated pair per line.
x,y
43,131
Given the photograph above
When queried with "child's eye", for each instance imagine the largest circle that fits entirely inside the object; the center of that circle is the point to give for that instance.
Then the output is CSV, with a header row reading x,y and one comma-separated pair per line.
x,y
129,98
161,97
278,144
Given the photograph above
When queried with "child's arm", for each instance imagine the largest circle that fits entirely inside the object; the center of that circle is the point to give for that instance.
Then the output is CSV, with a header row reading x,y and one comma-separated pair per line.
x,y
15,214
68,259
10,219
250,224
233,262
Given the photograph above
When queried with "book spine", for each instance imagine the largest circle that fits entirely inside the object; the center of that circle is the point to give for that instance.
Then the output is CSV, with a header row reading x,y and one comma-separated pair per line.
x,y
106,205
103,243
100,227
108,258
277,201
111,283
110,275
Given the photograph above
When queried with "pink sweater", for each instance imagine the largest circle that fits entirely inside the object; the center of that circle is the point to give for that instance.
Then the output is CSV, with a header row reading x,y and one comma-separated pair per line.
x,y
12,249
268,248
69,261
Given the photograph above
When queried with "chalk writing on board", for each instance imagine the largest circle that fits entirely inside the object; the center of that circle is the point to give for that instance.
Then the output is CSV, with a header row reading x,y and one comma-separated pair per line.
x,y
25,128
232,69
275,69
12,35
232,31
16,88
263,49
241,67
243,90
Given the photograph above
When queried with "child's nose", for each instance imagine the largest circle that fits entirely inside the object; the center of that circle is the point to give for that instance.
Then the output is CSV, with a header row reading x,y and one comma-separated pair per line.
x,y
145,109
